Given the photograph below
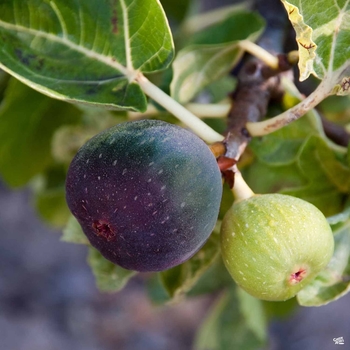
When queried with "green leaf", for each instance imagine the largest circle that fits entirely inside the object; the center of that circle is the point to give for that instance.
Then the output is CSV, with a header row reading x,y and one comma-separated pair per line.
x,y
52,207
28,120
155,289
299,160
50,197
215,278
269,178
226,201
282,147
67,139
73,233
334,281
253,312
323,38
109,277
339,218
4,79
328,179
281,309
196,22
213,53
87,51
317,153
180,279
236,321
175,11
207,337
218,90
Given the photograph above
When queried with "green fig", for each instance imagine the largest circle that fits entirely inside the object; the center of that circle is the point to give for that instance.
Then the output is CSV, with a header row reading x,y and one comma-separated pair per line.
x,y
274,244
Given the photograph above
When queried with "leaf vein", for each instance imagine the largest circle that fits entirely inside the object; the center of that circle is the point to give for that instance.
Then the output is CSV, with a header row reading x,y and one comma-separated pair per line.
x,y
129,64
51,37
60,19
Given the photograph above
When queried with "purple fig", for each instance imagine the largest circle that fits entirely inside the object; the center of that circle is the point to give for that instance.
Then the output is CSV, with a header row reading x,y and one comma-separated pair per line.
x,y
146,194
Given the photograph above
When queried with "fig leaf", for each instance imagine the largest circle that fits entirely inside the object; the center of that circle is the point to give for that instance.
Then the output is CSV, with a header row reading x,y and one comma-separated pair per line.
x,y
109,277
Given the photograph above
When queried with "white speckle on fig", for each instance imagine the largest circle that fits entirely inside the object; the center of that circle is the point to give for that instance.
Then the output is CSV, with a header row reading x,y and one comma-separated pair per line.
x,y
290,252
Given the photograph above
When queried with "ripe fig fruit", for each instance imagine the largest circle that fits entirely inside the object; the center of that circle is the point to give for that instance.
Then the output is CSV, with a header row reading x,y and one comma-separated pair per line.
x,y
274,244
146,194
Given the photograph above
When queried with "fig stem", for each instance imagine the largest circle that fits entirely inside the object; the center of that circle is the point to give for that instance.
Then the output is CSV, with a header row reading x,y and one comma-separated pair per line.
x,y
241,190
257,51
200,128
270,125
201,110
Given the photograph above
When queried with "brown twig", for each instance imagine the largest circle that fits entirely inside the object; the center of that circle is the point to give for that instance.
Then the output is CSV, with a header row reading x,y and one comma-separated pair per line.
x,y
257,82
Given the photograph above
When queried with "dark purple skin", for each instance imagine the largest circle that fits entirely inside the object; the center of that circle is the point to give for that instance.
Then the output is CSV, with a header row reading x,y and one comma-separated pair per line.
x,y
146,194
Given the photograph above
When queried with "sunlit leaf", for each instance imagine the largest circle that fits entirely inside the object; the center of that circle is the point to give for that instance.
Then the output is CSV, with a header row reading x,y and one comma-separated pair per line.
x,y
323,38
109,277
213,53
199,21
67,139
85,51
73,233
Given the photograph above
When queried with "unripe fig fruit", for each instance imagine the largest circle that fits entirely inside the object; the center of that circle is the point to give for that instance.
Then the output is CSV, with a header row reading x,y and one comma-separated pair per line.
x,y
274,244
146,193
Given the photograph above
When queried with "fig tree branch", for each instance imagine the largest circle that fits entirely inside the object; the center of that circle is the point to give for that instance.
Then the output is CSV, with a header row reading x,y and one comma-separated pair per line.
x,y
258,82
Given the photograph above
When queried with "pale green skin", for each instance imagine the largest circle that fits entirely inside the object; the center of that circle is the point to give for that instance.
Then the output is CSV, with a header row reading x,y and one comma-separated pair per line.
x,y
267,238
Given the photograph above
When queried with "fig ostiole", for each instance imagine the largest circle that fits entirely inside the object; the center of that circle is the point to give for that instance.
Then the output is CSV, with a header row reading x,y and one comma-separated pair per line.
x,y
274,244
146,193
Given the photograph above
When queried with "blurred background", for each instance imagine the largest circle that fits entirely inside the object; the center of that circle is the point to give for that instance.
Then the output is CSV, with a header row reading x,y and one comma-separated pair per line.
x,y
49,301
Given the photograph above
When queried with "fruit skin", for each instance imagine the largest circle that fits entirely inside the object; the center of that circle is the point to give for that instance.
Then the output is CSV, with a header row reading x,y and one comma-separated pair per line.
x,y
274,244
146,193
